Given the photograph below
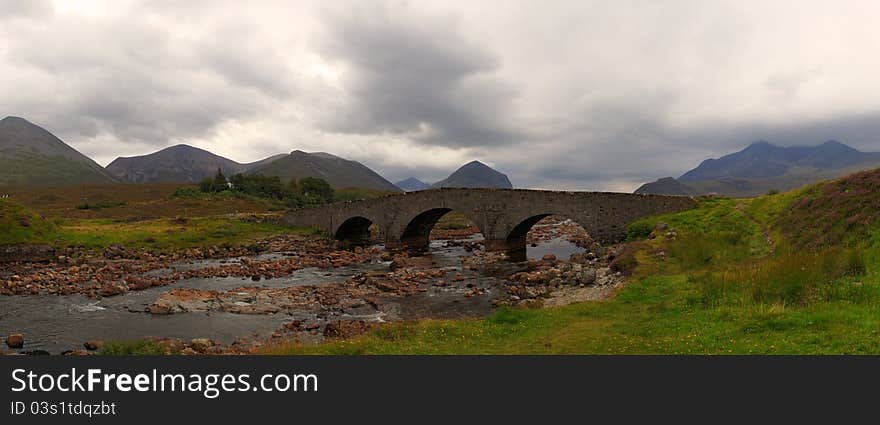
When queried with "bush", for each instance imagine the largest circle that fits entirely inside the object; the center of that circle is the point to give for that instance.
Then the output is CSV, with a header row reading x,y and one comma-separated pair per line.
x,y
625,260
315,189
638,230
99,205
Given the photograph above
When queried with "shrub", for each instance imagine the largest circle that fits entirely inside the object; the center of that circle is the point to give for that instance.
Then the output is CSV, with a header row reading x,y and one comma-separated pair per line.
x,y
317,189
638,230
625,261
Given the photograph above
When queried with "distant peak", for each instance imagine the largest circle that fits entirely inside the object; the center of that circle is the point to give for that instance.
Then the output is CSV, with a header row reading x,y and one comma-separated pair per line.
x,y
836,144
761,144
181,146
15,120
475,163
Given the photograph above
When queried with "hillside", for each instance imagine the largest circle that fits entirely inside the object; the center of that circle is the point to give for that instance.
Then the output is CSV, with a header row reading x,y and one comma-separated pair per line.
x,y
339,172
21,225
30,155
475,174
412,184
175,164
665,186
844,210
762,167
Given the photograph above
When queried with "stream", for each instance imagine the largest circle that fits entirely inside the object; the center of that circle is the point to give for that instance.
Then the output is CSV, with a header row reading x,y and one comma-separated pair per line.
x,y
55,323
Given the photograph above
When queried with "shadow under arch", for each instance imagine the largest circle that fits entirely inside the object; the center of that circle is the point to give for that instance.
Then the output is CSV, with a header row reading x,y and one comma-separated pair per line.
x,y
517,240
354,231
416,236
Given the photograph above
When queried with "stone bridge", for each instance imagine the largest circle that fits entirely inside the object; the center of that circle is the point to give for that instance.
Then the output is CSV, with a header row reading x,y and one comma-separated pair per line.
x,y
504,216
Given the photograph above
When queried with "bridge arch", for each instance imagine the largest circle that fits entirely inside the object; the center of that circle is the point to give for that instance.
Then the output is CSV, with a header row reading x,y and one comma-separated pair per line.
x,y
354,230
416,235
516,241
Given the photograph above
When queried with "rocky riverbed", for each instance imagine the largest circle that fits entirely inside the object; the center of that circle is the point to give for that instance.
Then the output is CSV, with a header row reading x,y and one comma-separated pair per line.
x,y
289,288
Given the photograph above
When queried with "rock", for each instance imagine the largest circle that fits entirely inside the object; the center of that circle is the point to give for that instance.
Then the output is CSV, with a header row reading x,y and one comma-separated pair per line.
x,y
587,276
548,258
201,345
188,352
93,345
345,328
15,340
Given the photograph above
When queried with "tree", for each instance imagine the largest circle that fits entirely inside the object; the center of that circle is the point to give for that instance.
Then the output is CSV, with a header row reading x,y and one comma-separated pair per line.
x,y
316,190
293,187
220,182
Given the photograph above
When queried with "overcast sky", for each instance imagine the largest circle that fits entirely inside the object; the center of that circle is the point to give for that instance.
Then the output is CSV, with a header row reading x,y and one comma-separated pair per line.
x,y
594,95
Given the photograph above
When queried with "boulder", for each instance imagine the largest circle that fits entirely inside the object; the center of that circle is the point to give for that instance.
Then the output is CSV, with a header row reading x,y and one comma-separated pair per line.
x,y
587,276
93,345
15,340
201,345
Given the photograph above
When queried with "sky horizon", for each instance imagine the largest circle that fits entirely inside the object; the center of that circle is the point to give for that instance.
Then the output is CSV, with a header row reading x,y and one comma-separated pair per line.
x,y
590,95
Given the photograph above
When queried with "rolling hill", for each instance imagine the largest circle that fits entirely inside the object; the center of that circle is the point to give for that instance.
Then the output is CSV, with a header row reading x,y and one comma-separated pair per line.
x,y
30,155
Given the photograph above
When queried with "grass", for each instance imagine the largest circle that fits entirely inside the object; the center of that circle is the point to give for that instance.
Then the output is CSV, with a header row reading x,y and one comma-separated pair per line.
x,y
132,348
734,279
169,233
21,225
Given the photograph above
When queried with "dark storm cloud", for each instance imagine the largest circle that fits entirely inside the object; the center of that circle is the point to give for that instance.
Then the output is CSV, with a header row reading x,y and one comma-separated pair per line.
x,y
417,76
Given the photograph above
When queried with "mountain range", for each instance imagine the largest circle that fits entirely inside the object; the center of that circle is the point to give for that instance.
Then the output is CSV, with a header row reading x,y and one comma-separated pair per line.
x,y
762,167
176,164
30,155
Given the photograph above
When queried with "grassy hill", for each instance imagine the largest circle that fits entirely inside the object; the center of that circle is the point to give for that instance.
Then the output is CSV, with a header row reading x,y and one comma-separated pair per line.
x,y
30,155
21,225
795,272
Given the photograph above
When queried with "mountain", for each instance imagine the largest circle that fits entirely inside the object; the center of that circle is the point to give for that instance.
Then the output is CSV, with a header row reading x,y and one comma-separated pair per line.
x,y
475,174
412,184
339,172
665,186
176,164
30,155
762,167
262,162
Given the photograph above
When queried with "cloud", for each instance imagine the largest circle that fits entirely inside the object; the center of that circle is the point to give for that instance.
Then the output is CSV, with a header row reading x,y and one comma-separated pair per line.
x,y
417,76
17,9
565,94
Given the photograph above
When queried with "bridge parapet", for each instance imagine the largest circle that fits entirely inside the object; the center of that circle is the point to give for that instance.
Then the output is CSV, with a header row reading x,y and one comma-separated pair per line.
x,y
504,216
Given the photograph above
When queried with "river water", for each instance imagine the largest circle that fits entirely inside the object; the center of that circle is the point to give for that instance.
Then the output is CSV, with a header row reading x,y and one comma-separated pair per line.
x,y
55,323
